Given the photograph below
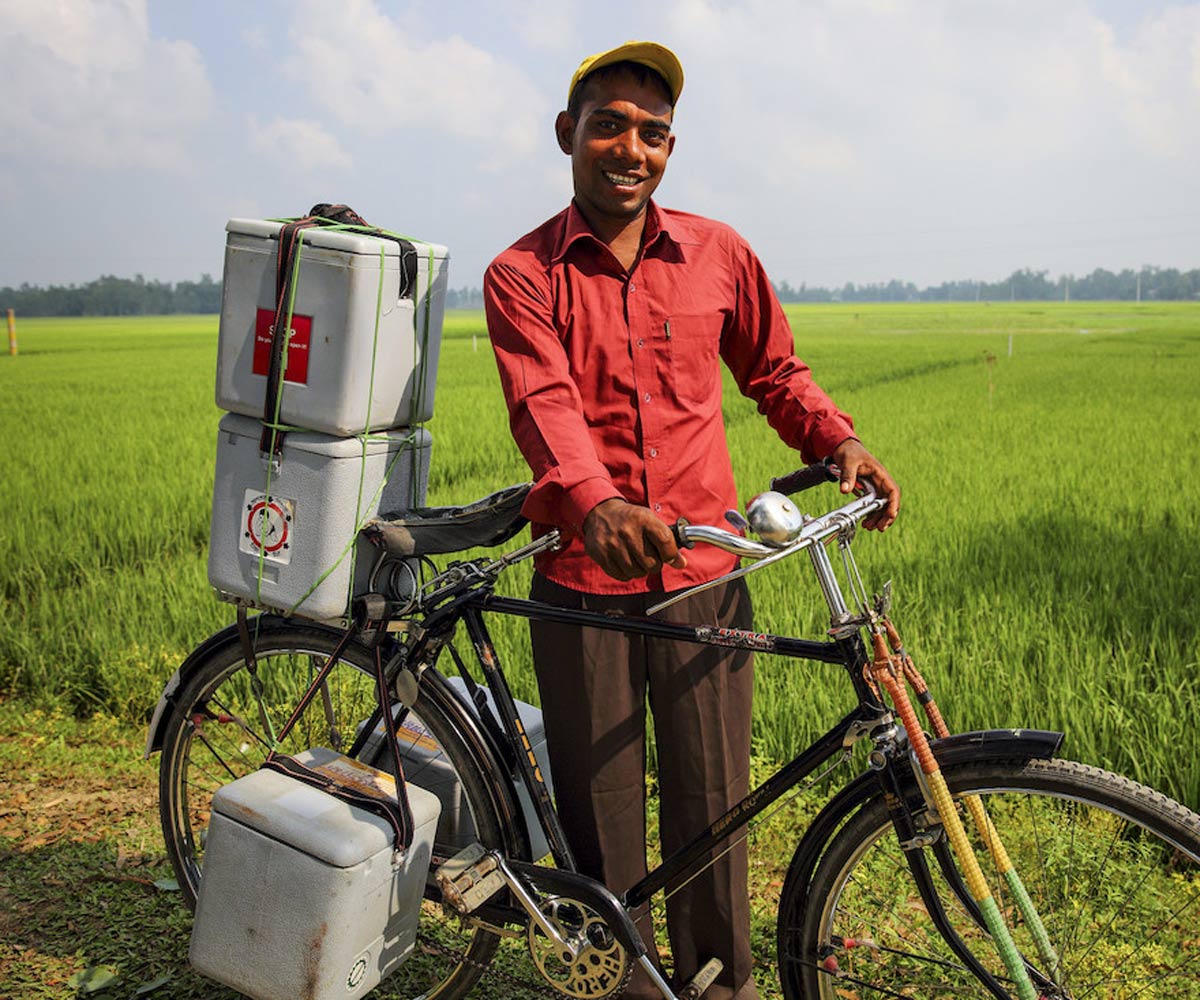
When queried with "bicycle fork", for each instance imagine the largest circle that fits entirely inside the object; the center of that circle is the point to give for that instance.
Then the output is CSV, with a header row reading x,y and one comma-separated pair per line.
x,y
890,669
889,675
979,816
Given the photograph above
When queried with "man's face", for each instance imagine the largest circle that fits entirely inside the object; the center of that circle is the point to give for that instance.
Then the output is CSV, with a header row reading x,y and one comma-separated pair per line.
x,y
618,147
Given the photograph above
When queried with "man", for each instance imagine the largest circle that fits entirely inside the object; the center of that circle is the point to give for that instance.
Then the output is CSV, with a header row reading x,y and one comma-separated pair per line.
x,y
609,323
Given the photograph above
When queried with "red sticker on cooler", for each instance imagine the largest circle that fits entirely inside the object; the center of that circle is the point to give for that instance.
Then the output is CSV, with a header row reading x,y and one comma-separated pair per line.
x,y
297,348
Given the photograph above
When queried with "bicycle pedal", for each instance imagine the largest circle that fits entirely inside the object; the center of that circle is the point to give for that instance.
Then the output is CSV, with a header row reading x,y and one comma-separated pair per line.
x,y
702,980
469,879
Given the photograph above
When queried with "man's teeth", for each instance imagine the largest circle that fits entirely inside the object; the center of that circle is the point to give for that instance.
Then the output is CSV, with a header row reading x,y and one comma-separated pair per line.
x,y
622,178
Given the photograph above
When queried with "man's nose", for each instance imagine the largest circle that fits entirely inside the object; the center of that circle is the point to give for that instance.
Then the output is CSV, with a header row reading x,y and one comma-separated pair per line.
x,y
629,145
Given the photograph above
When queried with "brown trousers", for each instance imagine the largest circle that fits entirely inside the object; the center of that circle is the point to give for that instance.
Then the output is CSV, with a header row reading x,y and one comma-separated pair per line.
x,y
594,685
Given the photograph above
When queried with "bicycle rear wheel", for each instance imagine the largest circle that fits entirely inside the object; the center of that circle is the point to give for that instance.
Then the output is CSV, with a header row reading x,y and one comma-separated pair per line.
x,y
1113,869
222,727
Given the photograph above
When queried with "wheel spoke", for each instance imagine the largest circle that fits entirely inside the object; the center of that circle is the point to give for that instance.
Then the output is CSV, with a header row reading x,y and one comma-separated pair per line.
x,y
1100,857
198,759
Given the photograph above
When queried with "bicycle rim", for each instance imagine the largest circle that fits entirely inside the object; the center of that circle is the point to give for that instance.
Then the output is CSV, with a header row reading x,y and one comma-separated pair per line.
x,y
1112,867
221,730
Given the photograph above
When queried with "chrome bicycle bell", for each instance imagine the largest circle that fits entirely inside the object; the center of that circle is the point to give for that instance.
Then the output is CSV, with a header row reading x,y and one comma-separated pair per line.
x,y
774,518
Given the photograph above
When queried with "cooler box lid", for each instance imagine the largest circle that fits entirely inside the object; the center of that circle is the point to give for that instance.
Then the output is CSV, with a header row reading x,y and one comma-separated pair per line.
x,y
312,822
336,239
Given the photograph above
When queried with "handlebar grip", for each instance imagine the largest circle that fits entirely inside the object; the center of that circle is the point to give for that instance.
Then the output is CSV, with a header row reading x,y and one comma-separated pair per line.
x,y
806,478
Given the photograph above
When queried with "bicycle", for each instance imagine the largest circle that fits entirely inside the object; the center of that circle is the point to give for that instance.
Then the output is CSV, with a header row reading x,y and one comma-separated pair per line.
x,y
1092,887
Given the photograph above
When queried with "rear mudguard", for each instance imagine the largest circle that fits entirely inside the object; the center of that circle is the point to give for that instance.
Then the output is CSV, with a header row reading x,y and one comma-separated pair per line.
x,y
987,744
166,701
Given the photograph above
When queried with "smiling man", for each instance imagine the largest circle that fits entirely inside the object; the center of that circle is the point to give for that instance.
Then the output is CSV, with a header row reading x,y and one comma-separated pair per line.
x,y
610,322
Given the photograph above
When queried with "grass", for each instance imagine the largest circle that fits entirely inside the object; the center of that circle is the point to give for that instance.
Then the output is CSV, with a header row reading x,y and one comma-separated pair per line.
x,y
1044,568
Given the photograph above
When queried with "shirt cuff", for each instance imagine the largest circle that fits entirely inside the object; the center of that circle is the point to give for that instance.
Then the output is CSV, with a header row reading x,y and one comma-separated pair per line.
x,y
826,437
582,497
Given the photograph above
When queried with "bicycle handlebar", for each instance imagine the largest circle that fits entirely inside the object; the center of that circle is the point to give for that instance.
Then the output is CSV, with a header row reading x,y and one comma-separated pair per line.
x,y
808,529
805,478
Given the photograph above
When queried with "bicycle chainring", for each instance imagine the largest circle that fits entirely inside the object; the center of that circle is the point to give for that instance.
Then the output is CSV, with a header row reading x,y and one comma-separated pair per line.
x,y
602,967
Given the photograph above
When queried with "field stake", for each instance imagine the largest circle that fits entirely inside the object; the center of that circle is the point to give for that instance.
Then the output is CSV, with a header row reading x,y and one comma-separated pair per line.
x,y
12,333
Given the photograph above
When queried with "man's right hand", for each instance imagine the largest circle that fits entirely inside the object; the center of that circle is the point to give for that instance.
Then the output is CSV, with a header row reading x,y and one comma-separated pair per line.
x,y
628,541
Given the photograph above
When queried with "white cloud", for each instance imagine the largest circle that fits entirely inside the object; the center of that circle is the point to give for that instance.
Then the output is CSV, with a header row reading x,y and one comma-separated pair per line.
x,y
297,143
95,88
545,24
371,72
832,115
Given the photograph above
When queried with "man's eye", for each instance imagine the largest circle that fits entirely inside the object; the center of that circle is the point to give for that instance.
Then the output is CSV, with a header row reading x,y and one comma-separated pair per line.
x,y
654,138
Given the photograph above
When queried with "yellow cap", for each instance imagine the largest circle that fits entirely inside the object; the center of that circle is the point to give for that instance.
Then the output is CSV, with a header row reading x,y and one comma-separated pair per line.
x,y
657,57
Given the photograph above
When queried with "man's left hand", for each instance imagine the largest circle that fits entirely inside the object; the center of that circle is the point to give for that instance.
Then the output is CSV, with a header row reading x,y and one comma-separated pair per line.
x,y
854,461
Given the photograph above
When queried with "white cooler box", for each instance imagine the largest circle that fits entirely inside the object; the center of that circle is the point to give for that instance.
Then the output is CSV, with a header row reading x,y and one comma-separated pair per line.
x,y
425,765
295,550
303,894
337,362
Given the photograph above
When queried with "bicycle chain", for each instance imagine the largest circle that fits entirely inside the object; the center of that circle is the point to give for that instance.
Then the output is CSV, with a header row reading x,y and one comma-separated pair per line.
x,y
533,986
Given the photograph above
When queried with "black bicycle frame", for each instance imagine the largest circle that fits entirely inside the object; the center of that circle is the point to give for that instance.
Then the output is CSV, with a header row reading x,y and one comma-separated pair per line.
x,y
849,652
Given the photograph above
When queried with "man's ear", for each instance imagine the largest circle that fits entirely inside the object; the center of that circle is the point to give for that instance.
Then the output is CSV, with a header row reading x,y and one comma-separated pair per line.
x,y
564,131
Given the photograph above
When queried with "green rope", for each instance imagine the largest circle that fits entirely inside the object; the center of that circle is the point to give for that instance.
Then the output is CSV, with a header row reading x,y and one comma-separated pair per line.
x,y
416,398
362,460
406,444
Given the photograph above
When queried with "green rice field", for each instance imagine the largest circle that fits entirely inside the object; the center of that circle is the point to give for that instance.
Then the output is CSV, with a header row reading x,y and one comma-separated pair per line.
x,y
1045,565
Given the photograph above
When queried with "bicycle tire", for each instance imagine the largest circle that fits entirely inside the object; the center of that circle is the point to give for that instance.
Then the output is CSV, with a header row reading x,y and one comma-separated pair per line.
x,y
217,732
1112,866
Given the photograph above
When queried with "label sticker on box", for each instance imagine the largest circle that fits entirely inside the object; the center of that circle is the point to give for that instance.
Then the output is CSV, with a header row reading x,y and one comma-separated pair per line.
x,y
267,526
296,370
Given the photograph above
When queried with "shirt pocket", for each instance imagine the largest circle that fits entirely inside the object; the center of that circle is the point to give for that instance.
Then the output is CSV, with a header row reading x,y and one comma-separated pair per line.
x,y
694,346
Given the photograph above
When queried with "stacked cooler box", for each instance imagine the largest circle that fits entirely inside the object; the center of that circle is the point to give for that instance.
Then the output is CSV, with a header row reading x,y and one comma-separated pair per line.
x,y
358,379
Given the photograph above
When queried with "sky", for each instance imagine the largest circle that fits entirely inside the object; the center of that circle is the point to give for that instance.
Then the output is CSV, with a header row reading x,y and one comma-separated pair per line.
x,y
847,140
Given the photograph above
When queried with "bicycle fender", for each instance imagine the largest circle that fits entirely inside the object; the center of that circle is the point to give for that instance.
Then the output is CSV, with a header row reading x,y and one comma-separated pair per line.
x,y
488,757
958,748
166,701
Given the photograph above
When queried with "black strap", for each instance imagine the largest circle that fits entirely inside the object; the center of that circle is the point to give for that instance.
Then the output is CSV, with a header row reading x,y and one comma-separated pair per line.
x,y
386,809
322,214
272,438
397,813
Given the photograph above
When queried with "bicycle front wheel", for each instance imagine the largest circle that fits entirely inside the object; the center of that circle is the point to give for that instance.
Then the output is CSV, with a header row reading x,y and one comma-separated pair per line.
x,y
1112,868
224,724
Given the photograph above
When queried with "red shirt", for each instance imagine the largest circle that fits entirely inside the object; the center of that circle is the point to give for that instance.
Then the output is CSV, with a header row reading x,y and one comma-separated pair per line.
x,y
613,382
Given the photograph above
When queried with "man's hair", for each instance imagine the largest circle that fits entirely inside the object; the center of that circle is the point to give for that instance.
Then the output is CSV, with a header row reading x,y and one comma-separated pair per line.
x,y
642,74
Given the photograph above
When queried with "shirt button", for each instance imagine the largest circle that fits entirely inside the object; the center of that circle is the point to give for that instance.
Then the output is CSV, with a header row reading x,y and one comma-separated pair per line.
x,y
654,453
632,287
641,342
657,507
646,397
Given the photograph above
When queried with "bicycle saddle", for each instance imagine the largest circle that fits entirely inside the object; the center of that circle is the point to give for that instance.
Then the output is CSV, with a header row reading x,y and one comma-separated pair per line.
x,y
427,531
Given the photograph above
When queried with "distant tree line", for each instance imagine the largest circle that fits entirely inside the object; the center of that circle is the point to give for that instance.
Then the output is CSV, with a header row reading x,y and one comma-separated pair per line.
x,y
464,298
1023,286
111,296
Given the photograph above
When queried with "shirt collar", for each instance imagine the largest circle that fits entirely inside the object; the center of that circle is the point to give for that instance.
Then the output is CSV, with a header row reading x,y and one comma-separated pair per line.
x,y
659,227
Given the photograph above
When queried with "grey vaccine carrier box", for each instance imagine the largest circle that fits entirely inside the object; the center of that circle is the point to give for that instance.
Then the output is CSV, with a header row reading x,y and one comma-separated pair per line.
x,y
284,530
363,349
426,765
303,894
